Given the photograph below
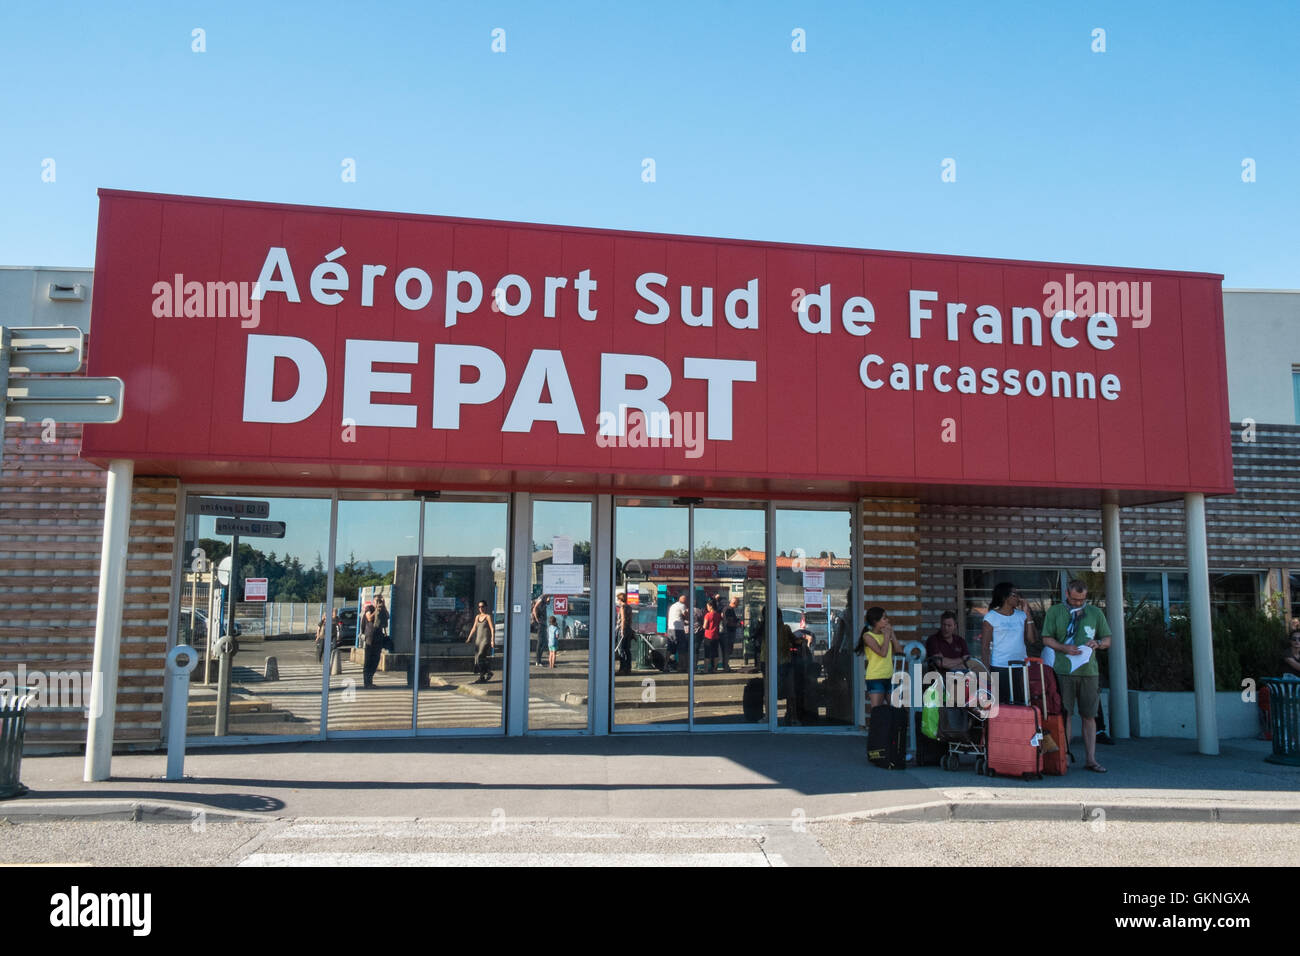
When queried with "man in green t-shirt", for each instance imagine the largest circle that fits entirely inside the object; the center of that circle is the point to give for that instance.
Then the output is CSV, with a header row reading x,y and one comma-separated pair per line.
x,y
1068,629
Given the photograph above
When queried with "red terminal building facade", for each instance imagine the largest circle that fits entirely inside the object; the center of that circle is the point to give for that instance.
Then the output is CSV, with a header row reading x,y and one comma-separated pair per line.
x,y
455,411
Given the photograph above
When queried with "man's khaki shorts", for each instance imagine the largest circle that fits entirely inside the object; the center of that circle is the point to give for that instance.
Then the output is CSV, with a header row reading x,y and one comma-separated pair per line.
x,y
1085,692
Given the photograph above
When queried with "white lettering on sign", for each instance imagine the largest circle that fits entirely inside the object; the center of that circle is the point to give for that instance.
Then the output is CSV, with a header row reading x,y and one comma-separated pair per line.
x,y
360,381
259,379
450,392
476,375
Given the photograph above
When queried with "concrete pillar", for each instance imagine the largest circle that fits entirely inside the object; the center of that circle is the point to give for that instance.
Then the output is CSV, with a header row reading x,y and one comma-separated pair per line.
x,y
1198,607
518,652
600,637
108,621
1117,723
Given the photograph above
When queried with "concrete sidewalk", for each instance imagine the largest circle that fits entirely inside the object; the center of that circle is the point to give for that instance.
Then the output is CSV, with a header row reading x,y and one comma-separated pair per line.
x,y
738,777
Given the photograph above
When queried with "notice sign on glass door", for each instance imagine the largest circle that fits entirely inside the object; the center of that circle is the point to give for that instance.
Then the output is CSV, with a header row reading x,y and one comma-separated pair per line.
x,y
562,579
813,599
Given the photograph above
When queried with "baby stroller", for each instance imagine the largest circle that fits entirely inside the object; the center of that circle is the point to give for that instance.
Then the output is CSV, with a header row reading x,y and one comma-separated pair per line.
x,y
963,717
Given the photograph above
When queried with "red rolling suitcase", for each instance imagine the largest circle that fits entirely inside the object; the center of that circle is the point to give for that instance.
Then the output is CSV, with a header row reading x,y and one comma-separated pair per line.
x,y
1015,736
1056,743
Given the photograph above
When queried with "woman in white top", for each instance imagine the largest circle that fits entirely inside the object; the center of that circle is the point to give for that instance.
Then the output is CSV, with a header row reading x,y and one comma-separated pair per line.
x,y
1007,631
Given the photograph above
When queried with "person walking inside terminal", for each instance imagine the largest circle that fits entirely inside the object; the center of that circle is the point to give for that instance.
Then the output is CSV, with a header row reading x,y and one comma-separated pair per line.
x,y
879,643
1005,635
483,633
1068,629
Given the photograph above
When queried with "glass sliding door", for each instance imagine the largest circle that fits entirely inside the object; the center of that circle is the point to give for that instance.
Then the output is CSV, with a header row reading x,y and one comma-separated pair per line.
x,y
652,658
374,590
729,561
560,653
277,586
463,613
816,606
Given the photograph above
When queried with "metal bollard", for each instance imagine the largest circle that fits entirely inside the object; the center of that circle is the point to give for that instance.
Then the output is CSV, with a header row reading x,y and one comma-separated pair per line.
x,y
181,660
223,687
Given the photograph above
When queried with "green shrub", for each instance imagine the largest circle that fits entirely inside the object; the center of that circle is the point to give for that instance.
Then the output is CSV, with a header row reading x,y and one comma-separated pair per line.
x,y
1248,643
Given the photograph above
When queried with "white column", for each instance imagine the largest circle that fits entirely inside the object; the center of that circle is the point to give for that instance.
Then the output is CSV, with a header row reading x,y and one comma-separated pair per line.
x,y
518,656
600,638
108,621
858,615
1198,606
770,657
1117,724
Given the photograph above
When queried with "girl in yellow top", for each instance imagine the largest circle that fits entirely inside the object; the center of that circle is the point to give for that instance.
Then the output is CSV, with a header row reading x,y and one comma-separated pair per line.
x,y
878,642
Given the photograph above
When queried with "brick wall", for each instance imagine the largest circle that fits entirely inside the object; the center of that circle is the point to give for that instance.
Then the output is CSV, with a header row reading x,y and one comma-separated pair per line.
x,y
51,526
1256,528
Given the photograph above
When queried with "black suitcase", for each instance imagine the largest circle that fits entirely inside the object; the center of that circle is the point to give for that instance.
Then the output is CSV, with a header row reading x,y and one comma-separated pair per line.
x,y
887,737
753,700
929,752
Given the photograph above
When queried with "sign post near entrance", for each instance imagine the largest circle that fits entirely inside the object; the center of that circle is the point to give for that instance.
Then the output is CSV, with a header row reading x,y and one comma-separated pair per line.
x,y
237,516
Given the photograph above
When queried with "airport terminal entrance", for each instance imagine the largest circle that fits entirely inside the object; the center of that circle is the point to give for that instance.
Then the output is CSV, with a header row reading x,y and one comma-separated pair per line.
x,y
382,613
731,615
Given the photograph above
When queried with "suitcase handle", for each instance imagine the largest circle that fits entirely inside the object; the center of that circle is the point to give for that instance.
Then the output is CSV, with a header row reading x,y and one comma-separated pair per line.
x,y
1042,679
1024,673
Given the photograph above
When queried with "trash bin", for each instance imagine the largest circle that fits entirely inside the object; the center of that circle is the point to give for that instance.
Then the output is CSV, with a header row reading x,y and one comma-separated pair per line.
x,y
13,723
1284,708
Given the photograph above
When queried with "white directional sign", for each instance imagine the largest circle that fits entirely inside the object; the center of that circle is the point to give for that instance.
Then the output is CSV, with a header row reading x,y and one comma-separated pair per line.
x,y
65,399
37,351
235,508
248,528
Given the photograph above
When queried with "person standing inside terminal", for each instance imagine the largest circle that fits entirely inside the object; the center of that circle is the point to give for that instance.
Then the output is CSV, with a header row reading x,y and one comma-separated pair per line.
x,y
623,636
712,635
374,639
552,641
539,625
1006,633
732,626
677,615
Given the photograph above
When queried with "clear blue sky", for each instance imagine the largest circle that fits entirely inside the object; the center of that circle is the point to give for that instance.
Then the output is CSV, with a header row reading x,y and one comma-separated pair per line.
x,y
1129,157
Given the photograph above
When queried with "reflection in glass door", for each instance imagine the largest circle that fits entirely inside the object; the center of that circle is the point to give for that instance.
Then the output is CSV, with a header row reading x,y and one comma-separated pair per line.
x,y
279,599
653,637
815,637
374,588
463,611
560,669
730,584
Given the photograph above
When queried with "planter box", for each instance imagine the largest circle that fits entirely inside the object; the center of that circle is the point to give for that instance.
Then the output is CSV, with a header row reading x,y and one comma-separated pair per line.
x,y
1169,714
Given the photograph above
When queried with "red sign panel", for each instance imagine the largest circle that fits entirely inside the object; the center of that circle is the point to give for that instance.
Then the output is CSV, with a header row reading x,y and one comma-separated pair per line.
x,y
307,345
561,604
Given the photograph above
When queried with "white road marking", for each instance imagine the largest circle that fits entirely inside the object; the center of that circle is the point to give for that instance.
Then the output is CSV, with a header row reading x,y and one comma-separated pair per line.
x,y
512,859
